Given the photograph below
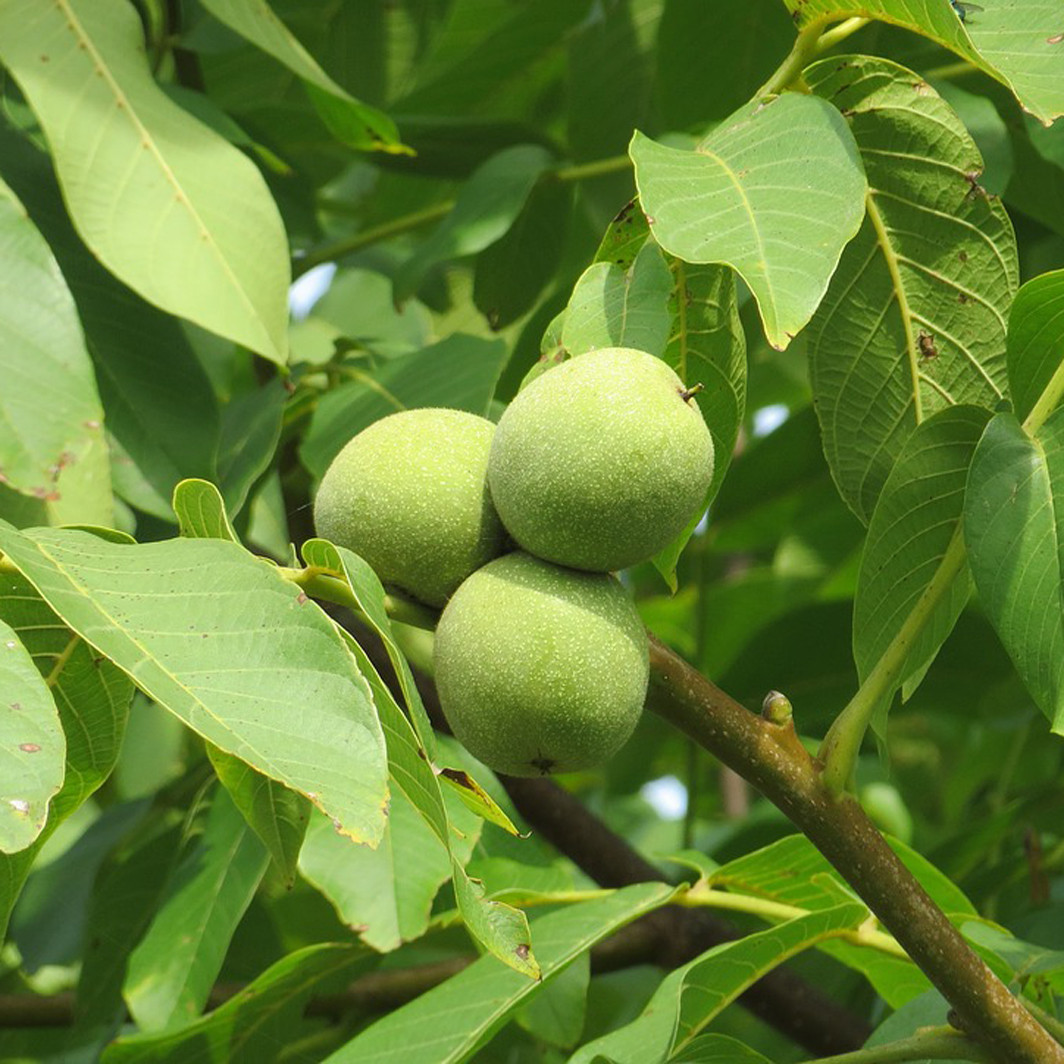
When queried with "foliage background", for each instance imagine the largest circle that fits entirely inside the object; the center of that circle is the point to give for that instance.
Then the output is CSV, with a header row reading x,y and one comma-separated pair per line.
x,y
455,176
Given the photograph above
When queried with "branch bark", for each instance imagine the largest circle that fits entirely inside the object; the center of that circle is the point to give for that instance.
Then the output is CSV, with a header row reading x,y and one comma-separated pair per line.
x,y
782,999
771,757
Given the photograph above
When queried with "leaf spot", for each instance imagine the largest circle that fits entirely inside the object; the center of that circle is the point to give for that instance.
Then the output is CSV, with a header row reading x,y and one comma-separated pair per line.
x,y
19,805
29,748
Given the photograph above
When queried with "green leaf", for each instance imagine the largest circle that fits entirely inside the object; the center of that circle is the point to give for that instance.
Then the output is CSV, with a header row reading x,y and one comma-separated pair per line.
x,y
48,924
200,512
1014,532
92,697
249,1027
369,594
707,346
1013,42
167,205
695,994
225,643
914,319
251,427
459,372
32,744
277,815
175,964
126,893
353,123
792,871
718,1049
512,272
500,928
1035,341
50,413
140,366
757,196
387,893
702,75
487,206
446,1024
613,306
915,519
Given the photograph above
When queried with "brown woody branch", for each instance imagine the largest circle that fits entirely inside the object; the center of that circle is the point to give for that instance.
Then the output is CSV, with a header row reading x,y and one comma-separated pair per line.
x,y
771,757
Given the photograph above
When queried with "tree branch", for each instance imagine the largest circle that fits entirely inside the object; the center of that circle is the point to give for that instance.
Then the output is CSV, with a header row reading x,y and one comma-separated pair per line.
x,y
781,999
773,759
671,936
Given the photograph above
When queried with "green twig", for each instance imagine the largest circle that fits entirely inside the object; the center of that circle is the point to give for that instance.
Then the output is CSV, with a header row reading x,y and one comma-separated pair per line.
x,y
416,219
839,33
728,901
930,1043
771,756
948,71
330,587
840,747
790,70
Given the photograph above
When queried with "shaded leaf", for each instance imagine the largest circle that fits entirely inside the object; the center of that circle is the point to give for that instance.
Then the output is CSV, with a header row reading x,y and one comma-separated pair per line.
x,y
92,697
1036,340
125,896
175,964
49,921
512,272
225,643
757,196
915,519
713,57
487,206
914,319
249,1027
352,122
1014,532
170,207
32,744
446,1024
277,815
251,427
459,372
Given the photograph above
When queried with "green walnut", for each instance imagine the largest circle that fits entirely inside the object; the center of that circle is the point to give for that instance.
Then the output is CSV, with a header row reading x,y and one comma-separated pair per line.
x,y
540,669
409,494
602,461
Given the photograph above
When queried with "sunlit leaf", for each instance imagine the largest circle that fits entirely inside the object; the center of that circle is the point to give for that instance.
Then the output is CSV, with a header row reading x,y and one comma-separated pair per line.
x,y
171,208
693,995
225,643
776,191
1018,43
32,744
